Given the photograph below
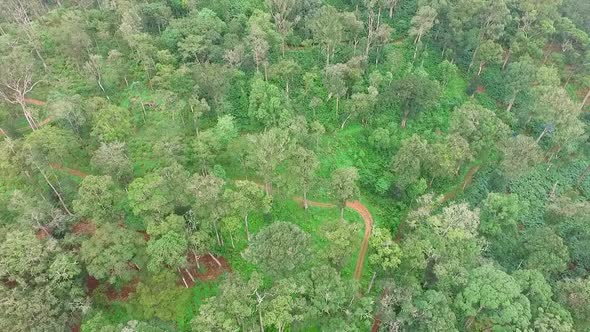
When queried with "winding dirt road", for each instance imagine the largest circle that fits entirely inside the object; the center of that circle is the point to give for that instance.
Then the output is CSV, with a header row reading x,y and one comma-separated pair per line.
x,y
367,218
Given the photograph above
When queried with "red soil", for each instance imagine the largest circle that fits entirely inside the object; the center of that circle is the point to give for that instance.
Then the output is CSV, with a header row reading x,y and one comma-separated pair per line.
x,y
480,89
73,172
211,269
111,293
368,219
84,228
33,101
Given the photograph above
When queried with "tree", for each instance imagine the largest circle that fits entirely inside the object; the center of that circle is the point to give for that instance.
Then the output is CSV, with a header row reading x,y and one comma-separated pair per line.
x,y
545,251
422,22
111,124
268,104
520,153
285,71
489,52
304,164
430,311
97,198
282,11
326,27
207,191
492,299
268,150
385,253
168,245
233,308
285,306
335,81
344,187
18,79
343,241
408,162
500,214
574,294
362,104
245,199
280,249
109,253
519,78
111,159
413,94
479,126
40,288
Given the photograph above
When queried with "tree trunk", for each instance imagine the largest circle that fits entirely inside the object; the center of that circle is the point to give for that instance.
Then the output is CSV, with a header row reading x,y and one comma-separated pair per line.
x,y
337,104
305,206
342,214
190,275
542,134
345,120
372,281
247,228
473,59
215,259
391,10
327,55
405,119
216,232
511,103
231,237
506,59
585,100
260,318
28,116
59,197
182,276
481,64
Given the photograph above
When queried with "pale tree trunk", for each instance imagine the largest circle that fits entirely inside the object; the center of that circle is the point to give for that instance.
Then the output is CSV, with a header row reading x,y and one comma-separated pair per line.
x,y
405,119
305,206
506,59
337,104
231,237
59,197
481,65
215,259
345,120
473,58
183,280
342,214
247,227
372,281
585,100
542,134
190,275
216,232
391,5
511,103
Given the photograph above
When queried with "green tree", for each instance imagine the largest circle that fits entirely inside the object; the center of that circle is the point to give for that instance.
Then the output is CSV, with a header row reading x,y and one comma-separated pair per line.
x,y
111,124
266,152
268,104
422,23
111,159
545,251
97,198
303,165
110,252
519,154
343,241
280,249
413,94
492,299
326,27
245,199
344,187
168,245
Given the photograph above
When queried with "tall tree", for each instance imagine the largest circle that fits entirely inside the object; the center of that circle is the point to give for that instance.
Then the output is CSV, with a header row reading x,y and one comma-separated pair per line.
x,y
422,23
344,187
97,197
109,254
279,249
267,151
304,164
413,94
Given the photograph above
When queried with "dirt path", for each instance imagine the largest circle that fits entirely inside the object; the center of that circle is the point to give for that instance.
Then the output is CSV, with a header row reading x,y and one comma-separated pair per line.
x,y
33,101
73,172
466,182
367,218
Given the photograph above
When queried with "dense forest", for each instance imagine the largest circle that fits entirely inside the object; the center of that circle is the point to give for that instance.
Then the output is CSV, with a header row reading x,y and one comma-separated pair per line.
x,y
294,165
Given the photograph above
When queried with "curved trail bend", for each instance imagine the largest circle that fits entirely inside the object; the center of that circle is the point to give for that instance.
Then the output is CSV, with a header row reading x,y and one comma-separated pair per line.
x,y
367,218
